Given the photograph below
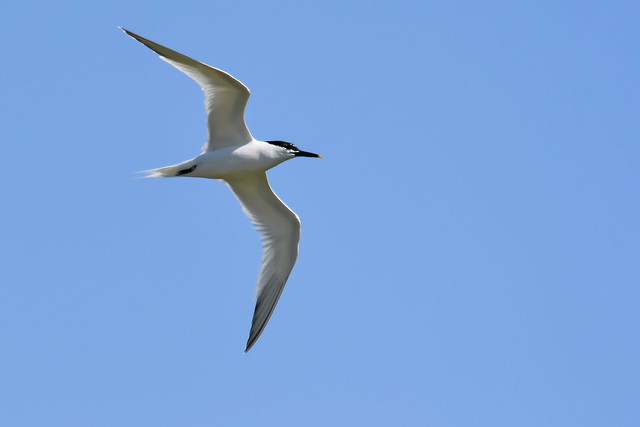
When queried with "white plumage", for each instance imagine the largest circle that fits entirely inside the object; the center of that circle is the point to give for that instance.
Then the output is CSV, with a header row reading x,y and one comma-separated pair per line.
x,y
231,154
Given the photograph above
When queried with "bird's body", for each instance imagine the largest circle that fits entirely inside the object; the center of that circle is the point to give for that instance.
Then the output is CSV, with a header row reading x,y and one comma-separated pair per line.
x,y
227,162
232,155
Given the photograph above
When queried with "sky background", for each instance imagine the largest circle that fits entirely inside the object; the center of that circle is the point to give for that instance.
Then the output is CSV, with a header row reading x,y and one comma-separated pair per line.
x,y
470,250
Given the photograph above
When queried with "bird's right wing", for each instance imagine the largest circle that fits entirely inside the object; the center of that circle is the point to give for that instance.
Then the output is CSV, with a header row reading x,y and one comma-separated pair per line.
x,y
279,229
225,98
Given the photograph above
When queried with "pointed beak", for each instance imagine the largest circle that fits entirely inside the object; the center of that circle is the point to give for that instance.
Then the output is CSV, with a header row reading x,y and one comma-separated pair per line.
x,y
306,154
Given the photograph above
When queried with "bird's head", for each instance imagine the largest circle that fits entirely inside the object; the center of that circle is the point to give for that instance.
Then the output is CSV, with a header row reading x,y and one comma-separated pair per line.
x,y
291,149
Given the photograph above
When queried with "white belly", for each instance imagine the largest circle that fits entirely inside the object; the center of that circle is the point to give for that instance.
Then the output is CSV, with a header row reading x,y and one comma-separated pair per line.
x,y
229,161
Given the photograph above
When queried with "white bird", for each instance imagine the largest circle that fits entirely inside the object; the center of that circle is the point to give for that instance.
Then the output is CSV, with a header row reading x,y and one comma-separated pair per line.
x,y
232,155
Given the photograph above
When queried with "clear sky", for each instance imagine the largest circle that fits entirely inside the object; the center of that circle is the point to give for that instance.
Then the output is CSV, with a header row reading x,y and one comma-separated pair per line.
x,y
470,250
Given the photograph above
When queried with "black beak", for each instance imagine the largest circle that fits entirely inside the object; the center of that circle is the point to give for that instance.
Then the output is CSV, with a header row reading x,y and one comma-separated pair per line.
x,y
305,154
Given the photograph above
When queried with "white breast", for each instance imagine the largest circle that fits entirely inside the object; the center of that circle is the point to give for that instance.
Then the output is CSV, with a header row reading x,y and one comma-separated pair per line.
x,y
230,161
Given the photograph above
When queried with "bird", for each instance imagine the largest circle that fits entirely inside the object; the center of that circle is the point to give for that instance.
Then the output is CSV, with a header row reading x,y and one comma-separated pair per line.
x,y
231,154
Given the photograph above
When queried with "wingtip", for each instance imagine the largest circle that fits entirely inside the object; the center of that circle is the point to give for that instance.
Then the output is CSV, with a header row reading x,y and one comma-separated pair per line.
x,y
129,33
250,344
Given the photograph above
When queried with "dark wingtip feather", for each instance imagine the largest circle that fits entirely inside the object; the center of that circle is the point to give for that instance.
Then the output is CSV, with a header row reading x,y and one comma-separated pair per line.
x,y
255,333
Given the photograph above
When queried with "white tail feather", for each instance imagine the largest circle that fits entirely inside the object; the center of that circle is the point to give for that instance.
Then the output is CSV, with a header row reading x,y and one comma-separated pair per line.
x,y
169,171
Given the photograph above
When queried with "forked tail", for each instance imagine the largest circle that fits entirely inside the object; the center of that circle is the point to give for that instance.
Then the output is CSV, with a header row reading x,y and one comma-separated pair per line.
x,y
184,168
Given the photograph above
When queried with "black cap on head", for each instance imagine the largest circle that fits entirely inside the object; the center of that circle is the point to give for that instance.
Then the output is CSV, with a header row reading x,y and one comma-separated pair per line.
x,y
294,150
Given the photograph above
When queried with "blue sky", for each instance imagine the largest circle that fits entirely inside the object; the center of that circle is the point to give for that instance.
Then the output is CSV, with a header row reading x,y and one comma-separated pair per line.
x,y
470,247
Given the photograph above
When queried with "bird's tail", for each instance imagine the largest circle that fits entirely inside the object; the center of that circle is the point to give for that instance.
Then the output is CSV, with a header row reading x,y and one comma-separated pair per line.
x,y
183,168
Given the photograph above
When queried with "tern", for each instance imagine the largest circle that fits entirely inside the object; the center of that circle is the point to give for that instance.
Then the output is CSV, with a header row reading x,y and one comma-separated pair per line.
x,y
232,155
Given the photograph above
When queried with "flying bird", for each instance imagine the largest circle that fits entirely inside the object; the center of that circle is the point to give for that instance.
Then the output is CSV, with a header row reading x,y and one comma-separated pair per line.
x,y
232,155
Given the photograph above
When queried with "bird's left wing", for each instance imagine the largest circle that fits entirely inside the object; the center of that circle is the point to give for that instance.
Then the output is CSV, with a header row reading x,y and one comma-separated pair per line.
x,y
225,97
279,229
